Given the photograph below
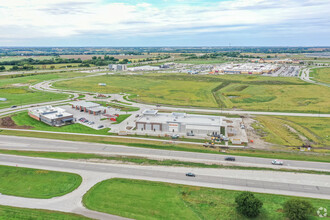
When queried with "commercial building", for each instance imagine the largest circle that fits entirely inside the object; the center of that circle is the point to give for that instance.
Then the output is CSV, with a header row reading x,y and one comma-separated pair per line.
x,y
52,116
152,120
144,68
245,68
283,61
89,107
117,67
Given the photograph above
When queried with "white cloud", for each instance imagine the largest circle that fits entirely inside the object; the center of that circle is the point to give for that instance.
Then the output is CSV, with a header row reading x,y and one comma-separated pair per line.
x,y
62,18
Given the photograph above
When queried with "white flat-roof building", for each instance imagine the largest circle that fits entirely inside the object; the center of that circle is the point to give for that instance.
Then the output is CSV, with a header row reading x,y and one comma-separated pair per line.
x,y
245,68
53,116
144,68
117,67
152,120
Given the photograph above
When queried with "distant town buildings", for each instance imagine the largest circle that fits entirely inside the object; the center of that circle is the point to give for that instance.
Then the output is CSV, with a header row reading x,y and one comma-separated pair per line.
x,y
144,68
276,61
244,68
117,67
53,116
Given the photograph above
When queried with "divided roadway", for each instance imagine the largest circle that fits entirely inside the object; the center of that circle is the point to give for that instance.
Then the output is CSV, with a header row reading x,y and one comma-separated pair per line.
x,y
38,144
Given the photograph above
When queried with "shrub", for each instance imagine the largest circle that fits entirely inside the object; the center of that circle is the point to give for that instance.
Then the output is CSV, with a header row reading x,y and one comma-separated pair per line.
x,y
296,209
248,205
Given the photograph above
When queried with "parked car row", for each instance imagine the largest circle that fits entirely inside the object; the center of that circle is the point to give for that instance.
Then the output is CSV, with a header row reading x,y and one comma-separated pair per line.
x,y
84,120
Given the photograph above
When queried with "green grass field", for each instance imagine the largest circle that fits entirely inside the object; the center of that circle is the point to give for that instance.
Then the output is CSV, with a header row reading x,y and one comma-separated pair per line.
x,y
271,154
139,199
14,213
294,131
124,108
17,92
122,118
150,89
23,95
23,119
33,183
256,93
320,75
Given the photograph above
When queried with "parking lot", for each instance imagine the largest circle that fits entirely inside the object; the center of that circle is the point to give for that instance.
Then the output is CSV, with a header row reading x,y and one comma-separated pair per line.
x,y
286,71
91,118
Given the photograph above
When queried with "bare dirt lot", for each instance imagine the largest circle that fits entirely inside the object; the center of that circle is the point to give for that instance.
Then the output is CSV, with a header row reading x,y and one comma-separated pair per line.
x,y
7,122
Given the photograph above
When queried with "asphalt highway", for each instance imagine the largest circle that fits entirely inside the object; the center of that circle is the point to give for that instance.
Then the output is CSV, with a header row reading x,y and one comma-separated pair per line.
x,y
261,181
38,144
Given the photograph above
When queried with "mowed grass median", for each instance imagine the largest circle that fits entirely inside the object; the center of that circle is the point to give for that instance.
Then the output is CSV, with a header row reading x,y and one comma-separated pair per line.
x,y
34,183
7,212
140,199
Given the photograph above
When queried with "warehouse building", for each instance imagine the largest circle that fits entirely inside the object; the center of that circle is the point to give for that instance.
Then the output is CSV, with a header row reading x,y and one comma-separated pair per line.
x,y
117,67
89,107
52,116
152,120
245,68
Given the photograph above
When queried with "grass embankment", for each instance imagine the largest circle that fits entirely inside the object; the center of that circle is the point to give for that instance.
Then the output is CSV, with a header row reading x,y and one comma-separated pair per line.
x,y
255,93
143,161
119,106
23,119
294,131
321,75
287,155
139,199
122,118
33,183
7,212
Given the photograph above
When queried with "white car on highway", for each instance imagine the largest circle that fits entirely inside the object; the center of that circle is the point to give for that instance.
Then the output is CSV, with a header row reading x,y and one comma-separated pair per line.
x,y
277,162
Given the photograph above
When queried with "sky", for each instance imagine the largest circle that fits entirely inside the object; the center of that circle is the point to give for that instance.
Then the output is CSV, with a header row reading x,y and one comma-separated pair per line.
x,y
164,23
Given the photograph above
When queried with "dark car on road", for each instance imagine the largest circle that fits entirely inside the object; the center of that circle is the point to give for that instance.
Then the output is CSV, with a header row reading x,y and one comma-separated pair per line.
x,y
190,175
13,106
230,158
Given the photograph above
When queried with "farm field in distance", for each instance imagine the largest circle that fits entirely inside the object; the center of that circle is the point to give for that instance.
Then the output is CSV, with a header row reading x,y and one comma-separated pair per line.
x,y
255,93
34,183
202,61
294,131
139,199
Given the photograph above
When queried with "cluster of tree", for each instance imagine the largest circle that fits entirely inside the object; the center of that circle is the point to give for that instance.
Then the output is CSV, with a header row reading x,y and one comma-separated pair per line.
x,y
29,51
24,67
2,68
294,209
31,61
